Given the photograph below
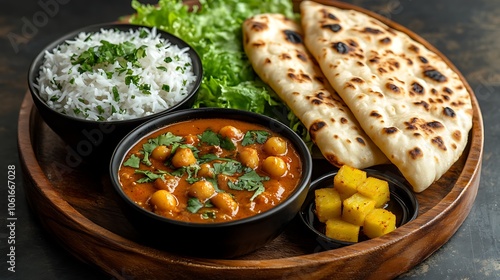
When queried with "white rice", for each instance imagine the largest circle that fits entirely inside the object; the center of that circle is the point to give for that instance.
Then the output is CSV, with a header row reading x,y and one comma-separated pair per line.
x,y
90,95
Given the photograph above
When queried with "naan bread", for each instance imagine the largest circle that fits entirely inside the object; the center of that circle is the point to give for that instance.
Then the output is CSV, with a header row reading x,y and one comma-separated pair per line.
x,y
405,97
275,49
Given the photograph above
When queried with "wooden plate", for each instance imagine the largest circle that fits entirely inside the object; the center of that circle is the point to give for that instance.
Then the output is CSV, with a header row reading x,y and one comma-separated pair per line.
x,y
76,204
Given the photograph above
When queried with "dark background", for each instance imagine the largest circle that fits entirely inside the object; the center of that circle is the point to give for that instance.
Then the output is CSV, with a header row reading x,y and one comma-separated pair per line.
x,y
467,32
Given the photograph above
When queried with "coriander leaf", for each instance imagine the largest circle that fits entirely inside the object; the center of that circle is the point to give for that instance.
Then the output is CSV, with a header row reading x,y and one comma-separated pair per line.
x,y
149,147
210,138
250,181
133,161
150,176
255,136
258,191
116,95
143,33
209,215
146,160
168,139
227,168
211,157
227,144
194,204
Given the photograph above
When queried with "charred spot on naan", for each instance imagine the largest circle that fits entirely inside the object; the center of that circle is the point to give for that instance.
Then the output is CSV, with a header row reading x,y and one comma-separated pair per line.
x,y
292,36
385,41
434,75
315,127
357,80
428,128
333,159
335,27
375,114
390,130
361,141
438,142
302,55
258,44
393,88
417,89
457,135
285,56
416,153
422,103
447,111
327,15
298,77
258,26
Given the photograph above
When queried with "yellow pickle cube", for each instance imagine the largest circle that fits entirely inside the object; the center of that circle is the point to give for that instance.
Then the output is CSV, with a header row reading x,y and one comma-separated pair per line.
x,y
356,208
347,180
376,189
342,230
379,222
328,204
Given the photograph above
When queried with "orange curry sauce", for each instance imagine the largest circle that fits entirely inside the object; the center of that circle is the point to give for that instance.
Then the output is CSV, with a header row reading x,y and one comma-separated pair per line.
x,y
204,184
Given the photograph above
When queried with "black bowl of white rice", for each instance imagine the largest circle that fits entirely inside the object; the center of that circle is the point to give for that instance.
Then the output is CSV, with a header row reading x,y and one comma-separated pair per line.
x,y
94,85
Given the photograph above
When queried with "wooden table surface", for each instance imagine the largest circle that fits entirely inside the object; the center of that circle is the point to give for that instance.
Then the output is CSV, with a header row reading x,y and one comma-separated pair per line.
x,y
465,31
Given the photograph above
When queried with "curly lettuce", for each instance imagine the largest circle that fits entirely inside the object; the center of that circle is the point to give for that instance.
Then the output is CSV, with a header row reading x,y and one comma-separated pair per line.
x,y
213,29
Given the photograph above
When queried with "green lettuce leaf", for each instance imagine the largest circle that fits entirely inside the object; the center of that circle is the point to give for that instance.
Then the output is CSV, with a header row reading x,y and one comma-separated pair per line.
x,y
214,30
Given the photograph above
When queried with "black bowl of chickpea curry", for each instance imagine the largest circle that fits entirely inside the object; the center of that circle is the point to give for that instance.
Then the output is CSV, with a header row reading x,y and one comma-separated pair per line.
x,y
211,182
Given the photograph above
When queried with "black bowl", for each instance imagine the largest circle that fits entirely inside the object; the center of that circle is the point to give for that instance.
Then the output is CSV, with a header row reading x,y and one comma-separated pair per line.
x,y
403,204
94,141
225,239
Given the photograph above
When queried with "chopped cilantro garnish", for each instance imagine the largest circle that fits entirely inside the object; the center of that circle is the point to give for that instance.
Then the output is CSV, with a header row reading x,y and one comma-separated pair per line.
x,y
146,160
227,168
166,87
132,79
227,144
100,109
143,33
116,95
168,59
168,139
194,204
250,181
149,175
210,138
255,136
209,215
133,161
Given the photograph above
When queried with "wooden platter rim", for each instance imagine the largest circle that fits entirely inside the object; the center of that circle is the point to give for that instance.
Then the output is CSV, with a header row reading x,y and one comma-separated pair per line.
x,y
467,182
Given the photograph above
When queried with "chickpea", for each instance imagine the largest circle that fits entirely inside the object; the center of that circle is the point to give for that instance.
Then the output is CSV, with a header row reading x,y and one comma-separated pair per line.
x,y
163,200
275,146
168,183
161,152
274,166
226,203
231,132
203,190
249,157
183,157
192,139
206,171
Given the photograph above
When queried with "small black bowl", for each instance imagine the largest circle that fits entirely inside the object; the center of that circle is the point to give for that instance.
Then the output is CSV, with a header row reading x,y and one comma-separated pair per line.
x,y
224,239
94,141
403,204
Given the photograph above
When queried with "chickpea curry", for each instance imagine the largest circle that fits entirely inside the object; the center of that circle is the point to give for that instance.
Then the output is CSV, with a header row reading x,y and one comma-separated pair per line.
x,y
210,170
